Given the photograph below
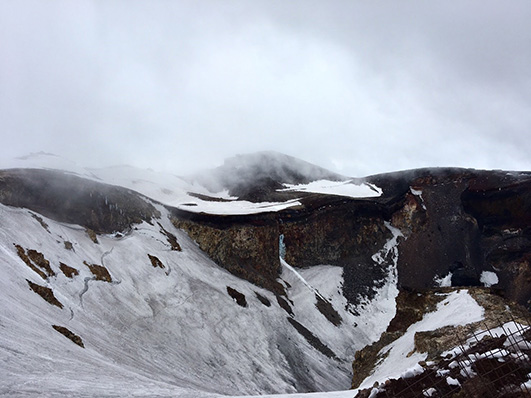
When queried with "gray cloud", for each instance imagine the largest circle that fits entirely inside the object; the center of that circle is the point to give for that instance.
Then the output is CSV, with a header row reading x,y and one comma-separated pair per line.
x,y
358,87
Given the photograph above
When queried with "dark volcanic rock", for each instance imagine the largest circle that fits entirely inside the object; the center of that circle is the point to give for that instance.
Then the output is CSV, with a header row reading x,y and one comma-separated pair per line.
x,y
171,238
237,296
327,309
100,272
245,246
155,261
503,213
457,221
285,305
264,300
444,239
68,271
314,341
326,229
35,261
68,198
465,222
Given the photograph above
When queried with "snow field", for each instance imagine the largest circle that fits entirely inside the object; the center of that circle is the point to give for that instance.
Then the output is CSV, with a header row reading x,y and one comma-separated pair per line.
x,y
340,188
152,331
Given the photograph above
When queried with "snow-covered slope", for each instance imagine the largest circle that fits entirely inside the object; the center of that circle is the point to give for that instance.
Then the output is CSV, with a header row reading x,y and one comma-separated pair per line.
x,y
155,321
165,328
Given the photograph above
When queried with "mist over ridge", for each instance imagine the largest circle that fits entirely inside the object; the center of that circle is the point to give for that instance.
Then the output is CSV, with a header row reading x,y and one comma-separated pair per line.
x,y
180,86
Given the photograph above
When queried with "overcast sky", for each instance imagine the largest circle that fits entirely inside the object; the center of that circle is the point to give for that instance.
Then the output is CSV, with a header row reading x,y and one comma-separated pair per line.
x,y
359,87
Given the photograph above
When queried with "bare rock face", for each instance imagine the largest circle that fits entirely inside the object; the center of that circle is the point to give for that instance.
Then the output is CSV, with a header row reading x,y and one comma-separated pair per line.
x,y
462,222
443,238
324,230
245,246
68,334
36,261
45,292
237,296
68,271
338,231
503,214
100,272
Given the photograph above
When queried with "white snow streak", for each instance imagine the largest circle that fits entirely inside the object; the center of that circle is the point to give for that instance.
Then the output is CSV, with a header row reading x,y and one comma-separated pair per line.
x,y
340,188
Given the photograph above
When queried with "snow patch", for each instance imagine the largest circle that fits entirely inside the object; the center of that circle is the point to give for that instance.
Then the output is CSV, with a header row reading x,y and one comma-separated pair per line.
x,y
340,188
452,382
419,194
430,392
488,278
443,281
412,372
239,207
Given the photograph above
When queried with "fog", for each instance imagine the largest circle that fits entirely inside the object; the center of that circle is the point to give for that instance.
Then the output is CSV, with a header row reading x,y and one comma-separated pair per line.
x,y
357,87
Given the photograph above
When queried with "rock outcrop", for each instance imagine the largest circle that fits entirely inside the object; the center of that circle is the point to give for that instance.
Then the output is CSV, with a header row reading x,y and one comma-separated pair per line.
x,y
246,246
464,222
323,230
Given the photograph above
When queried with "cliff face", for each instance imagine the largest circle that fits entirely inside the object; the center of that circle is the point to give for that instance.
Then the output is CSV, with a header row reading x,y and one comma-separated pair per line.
x,y
503,215
248,247
324,230
456,223
441,236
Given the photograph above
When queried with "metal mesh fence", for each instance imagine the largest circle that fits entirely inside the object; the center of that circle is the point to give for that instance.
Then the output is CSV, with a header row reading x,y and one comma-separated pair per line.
x,y
491,363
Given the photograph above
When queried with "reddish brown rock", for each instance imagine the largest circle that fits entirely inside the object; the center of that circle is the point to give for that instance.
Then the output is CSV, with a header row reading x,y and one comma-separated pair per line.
x,y
68,334
35,261
100,272
68,271
46,293
155,262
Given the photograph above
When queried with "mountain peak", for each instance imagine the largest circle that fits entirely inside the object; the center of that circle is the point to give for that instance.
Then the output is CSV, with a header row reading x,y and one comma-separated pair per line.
x,y
278,166
257,176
